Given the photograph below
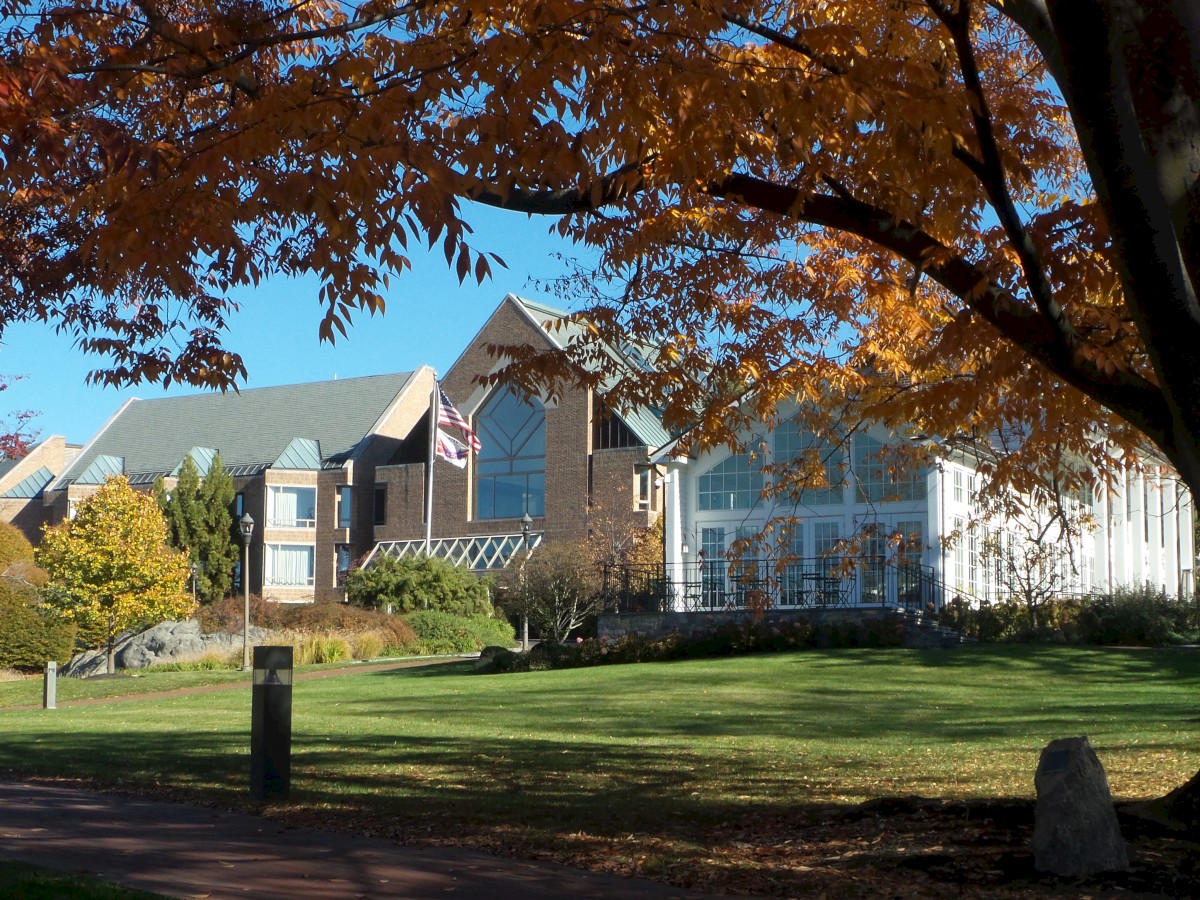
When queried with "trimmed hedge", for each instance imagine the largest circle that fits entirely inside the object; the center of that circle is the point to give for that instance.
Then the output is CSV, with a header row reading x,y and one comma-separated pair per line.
x,y
419,583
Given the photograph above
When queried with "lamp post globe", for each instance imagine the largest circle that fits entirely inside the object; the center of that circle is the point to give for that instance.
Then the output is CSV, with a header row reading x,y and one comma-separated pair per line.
x,y
246,526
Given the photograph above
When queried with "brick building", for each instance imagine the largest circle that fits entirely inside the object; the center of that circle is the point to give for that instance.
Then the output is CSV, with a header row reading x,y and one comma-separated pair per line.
x,y
331,470
566,464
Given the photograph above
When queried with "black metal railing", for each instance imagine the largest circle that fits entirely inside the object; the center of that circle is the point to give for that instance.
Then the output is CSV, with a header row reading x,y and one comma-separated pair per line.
x,y
733,584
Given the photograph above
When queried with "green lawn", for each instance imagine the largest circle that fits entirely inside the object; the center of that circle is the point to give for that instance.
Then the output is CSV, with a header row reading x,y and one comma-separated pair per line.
x,y
669,750
22,882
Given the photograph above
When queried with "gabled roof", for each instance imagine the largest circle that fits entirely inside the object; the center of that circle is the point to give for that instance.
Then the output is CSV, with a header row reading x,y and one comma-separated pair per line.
x,y
252,430
6,465
31,486
301,453
202,459
627,360
101,468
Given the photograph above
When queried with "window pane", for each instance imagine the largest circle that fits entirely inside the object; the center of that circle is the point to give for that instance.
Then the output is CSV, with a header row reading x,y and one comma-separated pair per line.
x,y
289,565
291,507
510,469
344,499
734,483
381,504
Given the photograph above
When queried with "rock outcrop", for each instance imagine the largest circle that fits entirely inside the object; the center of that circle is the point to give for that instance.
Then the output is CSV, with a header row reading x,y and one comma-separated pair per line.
x,y
168,642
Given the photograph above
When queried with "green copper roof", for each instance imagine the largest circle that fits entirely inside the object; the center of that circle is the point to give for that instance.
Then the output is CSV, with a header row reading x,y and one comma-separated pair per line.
x,y
251,430
101,468
299,454
202,458
31,486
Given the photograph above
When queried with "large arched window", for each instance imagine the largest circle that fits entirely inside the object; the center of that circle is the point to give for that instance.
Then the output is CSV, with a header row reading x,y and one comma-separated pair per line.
x,y
735,483
815,457
510,470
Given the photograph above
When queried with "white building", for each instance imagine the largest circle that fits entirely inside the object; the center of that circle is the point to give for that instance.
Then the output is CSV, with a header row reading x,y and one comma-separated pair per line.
x,y
884,534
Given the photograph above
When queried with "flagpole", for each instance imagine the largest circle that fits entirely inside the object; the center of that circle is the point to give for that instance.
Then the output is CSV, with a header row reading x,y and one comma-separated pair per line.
x,y
433,427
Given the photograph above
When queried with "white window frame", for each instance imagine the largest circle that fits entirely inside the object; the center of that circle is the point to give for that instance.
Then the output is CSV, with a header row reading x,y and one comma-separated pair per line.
x,y
274,547
273,493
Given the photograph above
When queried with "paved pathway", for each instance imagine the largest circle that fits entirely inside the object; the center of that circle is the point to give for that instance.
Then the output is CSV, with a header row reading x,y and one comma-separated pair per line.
x,y
196,852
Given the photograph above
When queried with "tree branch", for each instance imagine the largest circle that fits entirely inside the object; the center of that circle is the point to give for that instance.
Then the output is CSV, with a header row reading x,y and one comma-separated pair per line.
x,y
1126,393
989,169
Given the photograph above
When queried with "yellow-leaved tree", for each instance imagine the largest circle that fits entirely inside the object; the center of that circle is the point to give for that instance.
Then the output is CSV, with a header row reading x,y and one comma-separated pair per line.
x,y
111,569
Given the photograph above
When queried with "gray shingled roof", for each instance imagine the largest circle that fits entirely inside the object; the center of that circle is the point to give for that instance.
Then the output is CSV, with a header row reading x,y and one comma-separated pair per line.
x,y
251,430
646,424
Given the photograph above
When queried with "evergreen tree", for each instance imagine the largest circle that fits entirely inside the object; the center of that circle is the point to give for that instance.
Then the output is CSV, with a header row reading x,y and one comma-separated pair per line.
x,y
216,549
200,520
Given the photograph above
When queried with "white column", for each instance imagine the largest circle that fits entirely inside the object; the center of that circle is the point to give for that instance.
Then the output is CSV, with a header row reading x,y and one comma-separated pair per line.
x,y
673,530
1137,532
1170,527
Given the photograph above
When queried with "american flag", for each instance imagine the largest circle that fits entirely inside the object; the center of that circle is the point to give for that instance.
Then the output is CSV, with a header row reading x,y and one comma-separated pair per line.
x,y
448,415
452,451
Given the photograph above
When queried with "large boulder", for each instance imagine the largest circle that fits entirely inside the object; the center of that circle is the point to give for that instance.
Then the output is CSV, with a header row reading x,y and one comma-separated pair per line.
x,y
1075,825
167,642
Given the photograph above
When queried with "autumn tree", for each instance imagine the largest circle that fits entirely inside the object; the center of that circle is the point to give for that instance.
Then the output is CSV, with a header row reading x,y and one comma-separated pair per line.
x,y
199,515
111,569
557,588
15,432
974,218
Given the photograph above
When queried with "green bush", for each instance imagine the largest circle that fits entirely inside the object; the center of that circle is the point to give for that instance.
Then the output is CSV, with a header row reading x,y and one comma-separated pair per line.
x,y
1138,616
1002,620
439,632
735,638
418,583
27,639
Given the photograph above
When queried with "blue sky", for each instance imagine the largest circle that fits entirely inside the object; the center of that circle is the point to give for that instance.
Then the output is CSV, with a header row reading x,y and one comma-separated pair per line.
x,y
429,319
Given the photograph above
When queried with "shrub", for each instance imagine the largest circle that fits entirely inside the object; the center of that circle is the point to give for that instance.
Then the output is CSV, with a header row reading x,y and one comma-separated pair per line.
x,y
14,547
418,583
368,644
314,649
439,632
734,638
27,638
322,617
1138,616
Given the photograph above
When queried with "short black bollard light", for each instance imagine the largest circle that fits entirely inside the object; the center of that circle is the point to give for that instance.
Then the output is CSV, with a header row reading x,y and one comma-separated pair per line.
x,y
271,724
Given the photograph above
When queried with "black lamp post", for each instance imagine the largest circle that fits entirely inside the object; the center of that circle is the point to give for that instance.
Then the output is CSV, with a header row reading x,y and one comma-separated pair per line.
x,y
526,524
246,525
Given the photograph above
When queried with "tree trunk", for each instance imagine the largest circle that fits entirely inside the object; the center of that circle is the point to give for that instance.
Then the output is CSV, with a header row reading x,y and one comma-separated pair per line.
x,y
1179,810
111,656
